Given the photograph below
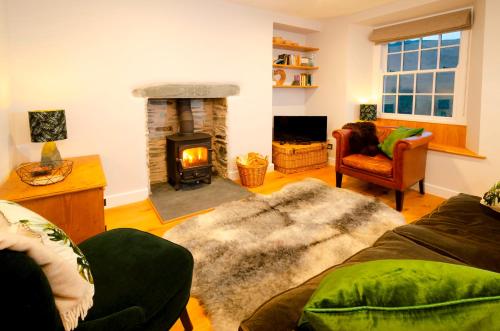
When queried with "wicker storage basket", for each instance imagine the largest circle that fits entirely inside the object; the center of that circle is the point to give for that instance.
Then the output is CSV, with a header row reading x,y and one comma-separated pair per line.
x,y
289,158
252,175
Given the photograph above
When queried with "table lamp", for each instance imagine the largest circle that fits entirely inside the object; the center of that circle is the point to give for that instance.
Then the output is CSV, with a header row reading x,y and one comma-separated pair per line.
x,y
368,112
48,126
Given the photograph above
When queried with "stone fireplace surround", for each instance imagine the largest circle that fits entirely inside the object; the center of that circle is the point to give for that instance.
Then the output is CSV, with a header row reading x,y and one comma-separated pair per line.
x,y
209,105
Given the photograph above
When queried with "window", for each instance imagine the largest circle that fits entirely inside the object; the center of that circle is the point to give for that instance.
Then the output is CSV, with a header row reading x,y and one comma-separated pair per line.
x,y
423,78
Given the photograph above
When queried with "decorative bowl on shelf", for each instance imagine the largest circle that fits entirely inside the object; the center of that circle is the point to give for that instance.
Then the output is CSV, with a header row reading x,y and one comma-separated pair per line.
x,y
35,174
279,76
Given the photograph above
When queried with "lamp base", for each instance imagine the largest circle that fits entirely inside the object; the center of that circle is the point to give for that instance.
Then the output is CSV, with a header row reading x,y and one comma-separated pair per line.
x,y
50,155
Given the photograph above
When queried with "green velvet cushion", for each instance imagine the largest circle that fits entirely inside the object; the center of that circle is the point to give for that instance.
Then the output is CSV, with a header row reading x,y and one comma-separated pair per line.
x,y
387,146
405,295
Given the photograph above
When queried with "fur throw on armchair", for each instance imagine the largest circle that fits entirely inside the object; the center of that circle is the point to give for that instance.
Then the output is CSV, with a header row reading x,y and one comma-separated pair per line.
x,y
363,138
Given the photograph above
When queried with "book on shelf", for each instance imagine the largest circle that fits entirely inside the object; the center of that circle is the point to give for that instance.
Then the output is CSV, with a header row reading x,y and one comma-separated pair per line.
x,y
302,80
292,60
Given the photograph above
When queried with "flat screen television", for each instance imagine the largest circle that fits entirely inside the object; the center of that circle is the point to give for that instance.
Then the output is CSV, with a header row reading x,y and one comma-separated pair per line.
x,y
299,129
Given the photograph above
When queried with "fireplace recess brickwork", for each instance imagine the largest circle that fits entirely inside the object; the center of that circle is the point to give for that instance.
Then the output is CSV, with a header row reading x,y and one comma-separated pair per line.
x,y
208,108
209,117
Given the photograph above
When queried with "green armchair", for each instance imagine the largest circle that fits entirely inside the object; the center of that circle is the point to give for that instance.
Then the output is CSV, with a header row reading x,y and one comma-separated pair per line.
x,y
142,282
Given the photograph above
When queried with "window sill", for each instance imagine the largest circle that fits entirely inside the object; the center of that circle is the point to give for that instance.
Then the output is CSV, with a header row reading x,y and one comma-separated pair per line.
x,y
454,150
446,138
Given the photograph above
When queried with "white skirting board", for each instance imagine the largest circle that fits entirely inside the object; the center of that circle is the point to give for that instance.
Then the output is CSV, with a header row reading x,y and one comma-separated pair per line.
x,y
120,199
442,192
115,200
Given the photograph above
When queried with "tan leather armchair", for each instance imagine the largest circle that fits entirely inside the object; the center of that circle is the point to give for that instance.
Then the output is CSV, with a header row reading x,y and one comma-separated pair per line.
x,y
405,169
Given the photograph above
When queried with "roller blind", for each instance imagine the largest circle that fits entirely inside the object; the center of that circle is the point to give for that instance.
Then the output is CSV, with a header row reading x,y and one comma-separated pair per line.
x,y
459,20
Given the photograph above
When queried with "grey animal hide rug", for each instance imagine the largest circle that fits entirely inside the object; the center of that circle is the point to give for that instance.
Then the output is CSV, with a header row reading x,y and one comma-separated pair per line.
x,y
247,251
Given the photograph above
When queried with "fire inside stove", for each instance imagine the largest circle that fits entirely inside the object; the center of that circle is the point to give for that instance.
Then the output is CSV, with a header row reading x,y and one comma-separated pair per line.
x,y
194,157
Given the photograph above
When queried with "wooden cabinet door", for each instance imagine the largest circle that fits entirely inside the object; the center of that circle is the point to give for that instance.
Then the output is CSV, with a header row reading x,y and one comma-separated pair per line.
x,y
80,214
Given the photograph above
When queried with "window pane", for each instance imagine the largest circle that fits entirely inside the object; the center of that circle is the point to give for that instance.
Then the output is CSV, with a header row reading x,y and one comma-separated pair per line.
x,y
449,57
423,105
394,62
405,104
390,84
389,104
428,59
445,82
411,44
394,47
424,83
430,41
410,61
443,105
406,83
452,38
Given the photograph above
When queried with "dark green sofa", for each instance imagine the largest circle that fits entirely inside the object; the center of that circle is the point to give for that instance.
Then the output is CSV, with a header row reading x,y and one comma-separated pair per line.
x,y
460,231
142,282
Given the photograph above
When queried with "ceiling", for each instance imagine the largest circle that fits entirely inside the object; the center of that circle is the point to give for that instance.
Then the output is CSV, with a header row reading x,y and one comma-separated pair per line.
x,y
315,8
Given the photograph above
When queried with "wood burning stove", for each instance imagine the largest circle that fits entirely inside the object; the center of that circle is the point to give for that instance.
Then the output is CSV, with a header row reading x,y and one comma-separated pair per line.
x,y
189,154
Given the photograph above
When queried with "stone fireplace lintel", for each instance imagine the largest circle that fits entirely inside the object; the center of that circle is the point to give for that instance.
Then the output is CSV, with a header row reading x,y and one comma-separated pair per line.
x,y
187,90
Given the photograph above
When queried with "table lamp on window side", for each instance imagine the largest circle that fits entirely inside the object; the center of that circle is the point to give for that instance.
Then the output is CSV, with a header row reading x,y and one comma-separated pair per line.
x,y
48,126
368,112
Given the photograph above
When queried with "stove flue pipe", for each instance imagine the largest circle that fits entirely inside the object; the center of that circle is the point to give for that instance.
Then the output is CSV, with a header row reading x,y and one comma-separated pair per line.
x,y
185,116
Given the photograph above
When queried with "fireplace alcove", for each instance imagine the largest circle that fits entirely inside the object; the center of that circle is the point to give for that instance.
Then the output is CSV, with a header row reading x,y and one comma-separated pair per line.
x,y
195,152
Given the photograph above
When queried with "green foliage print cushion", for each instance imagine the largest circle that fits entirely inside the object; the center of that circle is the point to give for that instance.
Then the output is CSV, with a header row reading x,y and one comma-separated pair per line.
x,y
410,295
492,197
66,268
24,221
387,146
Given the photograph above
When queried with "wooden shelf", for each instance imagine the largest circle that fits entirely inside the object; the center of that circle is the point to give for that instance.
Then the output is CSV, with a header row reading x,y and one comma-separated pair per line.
x,y
284,66
294,86
295,47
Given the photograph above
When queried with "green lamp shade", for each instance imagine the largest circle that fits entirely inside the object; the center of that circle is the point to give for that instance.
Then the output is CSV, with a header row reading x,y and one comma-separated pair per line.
x,y
367,112
47,125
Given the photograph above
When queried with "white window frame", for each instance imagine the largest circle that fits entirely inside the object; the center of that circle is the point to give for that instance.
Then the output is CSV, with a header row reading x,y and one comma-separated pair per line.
x,y
460,90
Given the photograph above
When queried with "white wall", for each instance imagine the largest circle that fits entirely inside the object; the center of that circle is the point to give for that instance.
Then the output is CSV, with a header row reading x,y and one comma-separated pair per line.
x,y
345,74
330,97
87,56
475,77
347,64
5,157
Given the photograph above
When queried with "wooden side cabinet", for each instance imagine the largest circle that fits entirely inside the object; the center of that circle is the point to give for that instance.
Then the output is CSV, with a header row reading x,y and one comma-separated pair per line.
x,y
76,204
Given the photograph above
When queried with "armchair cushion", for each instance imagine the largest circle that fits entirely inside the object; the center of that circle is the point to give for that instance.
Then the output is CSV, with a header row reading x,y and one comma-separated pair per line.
x,y
378,164
387,146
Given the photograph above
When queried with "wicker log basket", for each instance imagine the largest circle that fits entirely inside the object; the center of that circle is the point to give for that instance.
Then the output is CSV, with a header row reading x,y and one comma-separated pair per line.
x,y
252,169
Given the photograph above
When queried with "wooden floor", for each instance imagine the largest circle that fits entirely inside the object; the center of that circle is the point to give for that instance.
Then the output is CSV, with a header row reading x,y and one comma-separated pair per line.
x,y
142,216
